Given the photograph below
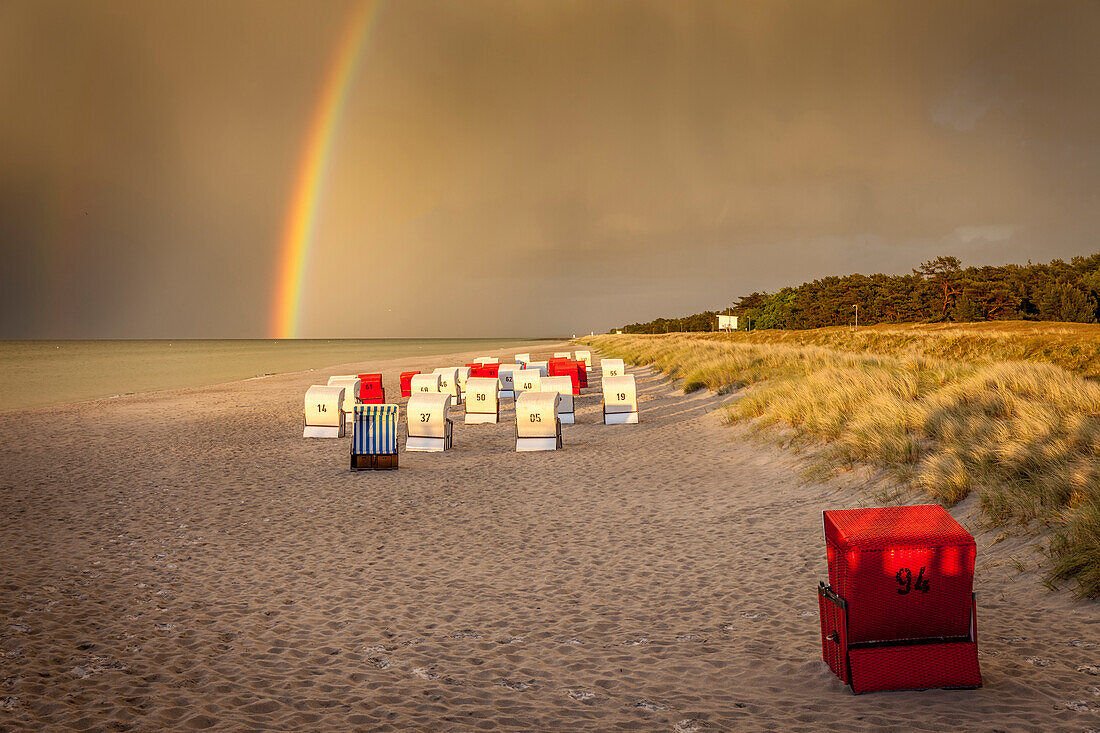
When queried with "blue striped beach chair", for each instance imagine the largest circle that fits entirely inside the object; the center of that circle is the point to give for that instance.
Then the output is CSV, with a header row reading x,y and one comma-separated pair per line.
x,y
374,437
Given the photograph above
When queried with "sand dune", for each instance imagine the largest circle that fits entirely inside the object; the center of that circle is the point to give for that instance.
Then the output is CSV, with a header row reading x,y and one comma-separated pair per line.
x,y
186,560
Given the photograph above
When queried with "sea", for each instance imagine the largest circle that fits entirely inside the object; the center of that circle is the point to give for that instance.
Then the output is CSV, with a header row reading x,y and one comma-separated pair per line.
x,y
44,373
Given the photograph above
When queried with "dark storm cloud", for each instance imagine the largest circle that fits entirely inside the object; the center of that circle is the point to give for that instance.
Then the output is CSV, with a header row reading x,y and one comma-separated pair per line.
x,y
547,167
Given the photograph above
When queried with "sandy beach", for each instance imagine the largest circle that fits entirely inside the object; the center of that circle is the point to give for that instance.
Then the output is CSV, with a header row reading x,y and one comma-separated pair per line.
x,y
186,560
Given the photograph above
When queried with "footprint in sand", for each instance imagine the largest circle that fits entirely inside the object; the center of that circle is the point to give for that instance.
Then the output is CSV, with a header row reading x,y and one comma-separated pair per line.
x,y
1078,706
1089,668
9,703
690,637
95,665
650,706
580,694
688,725
379,662
514,684
1038,661
424,674
466,634
640,641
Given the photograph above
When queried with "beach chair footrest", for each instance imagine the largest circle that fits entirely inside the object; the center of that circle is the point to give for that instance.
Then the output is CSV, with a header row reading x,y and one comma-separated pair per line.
x,y
373,462
907,664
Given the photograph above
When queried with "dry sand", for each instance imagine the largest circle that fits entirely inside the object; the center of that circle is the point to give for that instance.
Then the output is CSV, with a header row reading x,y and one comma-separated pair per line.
x,y
186,560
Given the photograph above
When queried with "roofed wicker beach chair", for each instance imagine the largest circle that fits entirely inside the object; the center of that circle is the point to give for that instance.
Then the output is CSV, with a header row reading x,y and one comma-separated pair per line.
x,y
406,383
563,385
537,423
506,374
612,367
425,384
322,412
351,385
482,400
568,368
371,391
586,357
899,611
374,437
448,384
428,418
620,400
463,373
526,380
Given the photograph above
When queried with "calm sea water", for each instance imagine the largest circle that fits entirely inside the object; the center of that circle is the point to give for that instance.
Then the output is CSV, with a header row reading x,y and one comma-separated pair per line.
x,y
41,373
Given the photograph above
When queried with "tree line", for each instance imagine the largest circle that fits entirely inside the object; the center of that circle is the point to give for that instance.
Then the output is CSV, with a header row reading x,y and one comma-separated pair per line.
x,y
939,290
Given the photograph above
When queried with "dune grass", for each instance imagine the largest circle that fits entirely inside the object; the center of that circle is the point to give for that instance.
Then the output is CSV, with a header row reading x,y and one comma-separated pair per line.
x,y
1072,346
1024,435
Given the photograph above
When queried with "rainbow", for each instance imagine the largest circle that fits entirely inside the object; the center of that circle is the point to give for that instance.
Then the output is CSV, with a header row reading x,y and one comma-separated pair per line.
x,y
301,216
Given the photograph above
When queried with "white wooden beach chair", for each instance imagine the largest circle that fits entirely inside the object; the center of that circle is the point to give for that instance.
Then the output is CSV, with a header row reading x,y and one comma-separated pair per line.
x,y
322,412
429,422
562,355
523,359
537,423
482,400
620,400
564,387
506,374
542,366
463,373
526,380
424,383
612,367
448,383
487,360
586,357
351,384
374,437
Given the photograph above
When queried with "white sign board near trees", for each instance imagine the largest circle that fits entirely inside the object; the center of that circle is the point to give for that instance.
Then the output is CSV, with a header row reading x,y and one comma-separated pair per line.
x,y
727,323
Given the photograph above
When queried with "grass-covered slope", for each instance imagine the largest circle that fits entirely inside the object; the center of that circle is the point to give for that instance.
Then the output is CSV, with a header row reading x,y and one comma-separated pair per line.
x,y
949,410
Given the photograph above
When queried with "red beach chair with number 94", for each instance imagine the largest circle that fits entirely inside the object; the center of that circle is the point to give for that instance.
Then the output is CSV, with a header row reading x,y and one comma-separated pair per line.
x,y
898,613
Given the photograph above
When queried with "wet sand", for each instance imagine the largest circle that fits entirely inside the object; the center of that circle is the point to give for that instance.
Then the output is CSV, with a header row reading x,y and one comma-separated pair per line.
x,y
187,560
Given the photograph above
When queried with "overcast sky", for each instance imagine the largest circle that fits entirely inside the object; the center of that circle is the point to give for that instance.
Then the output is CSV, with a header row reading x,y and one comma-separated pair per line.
x,y
526,168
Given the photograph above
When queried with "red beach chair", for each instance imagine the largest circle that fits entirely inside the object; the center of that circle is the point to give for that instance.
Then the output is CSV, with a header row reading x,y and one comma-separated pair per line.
x,y
898,613
566,368
370,389
582,374
485,370
406,383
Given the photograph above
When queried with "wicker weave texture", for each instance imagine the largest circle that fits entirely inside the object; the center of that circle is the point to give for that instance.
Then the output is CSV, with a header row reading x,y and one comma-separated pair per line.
x,y
915,667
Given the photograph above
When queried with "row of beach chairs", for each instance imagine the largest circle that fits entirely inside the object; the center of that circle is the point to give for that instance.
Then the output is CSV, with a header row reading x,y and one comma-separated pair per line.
x,y
543,391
